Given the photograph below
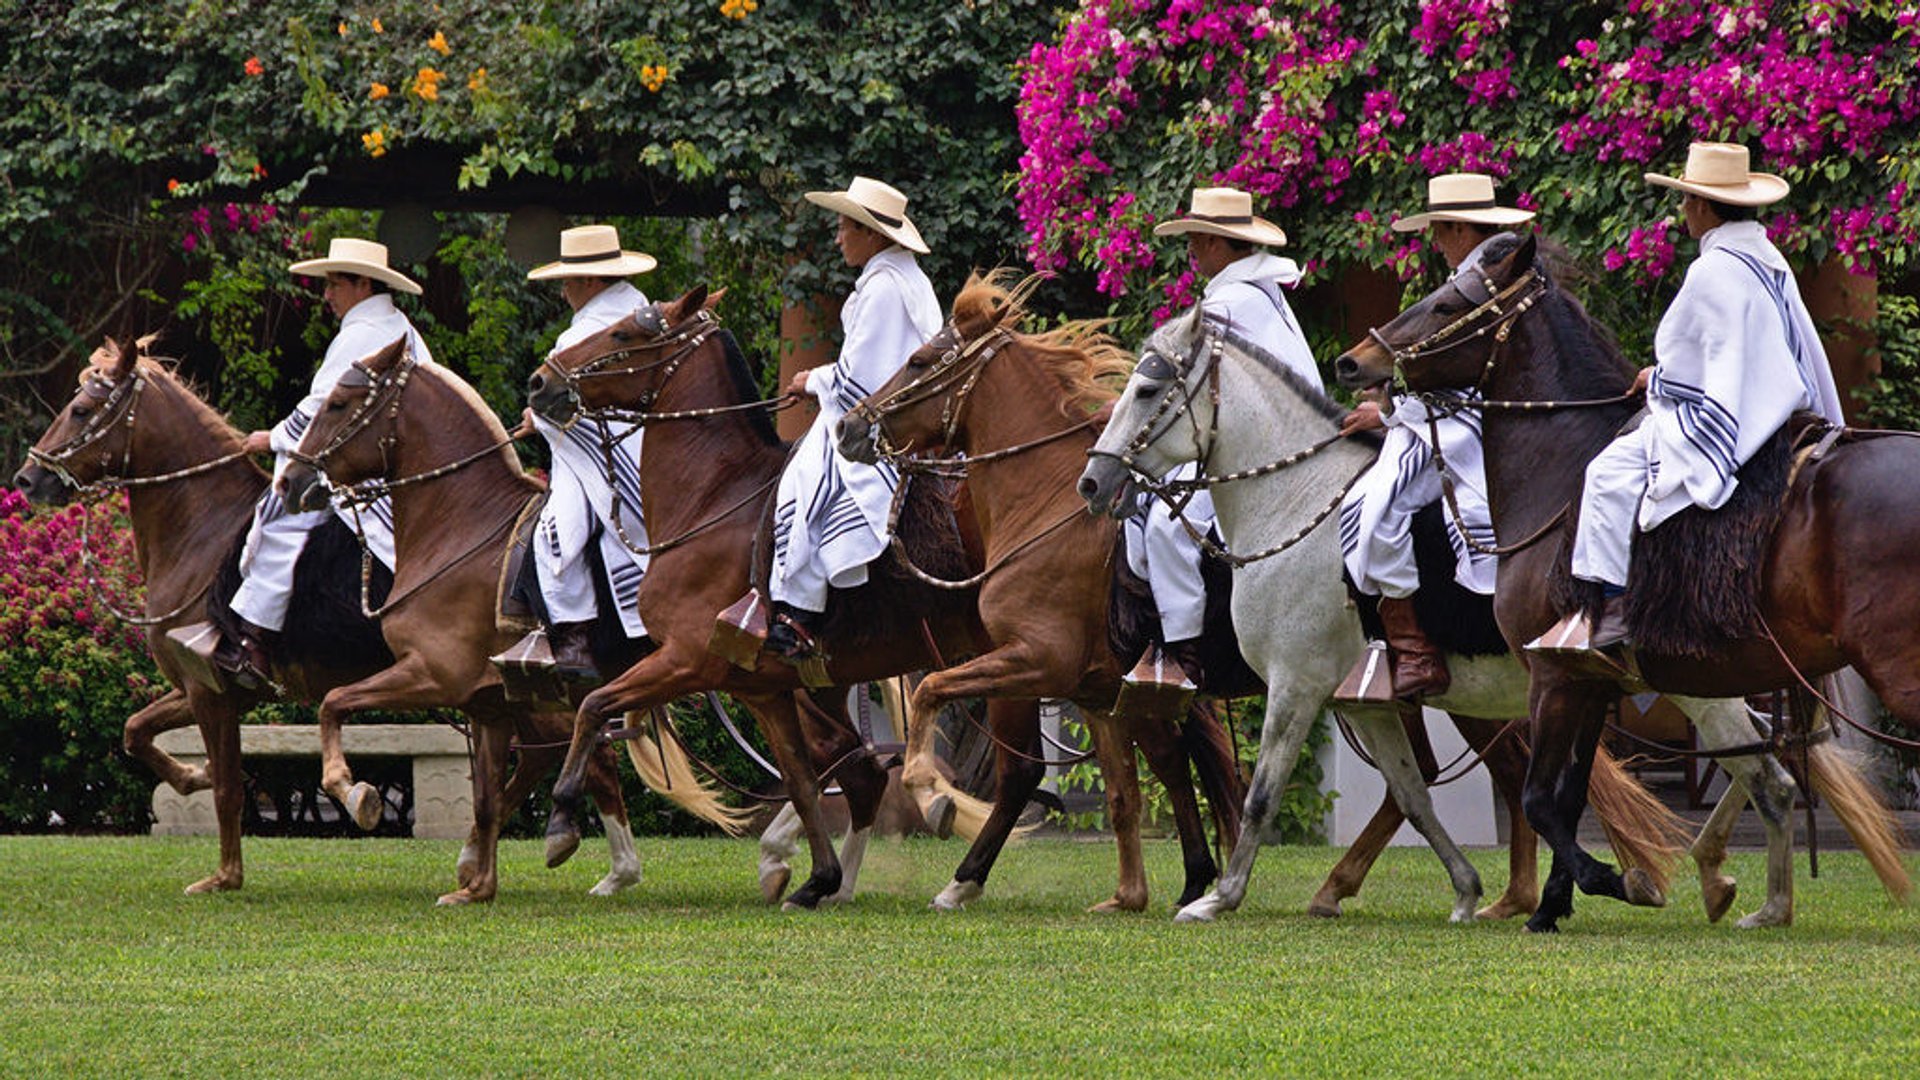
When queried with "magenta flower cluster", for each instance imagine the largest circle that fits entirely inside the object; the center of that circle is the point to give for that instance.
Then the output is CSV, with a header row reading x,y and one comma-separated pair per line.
x,y
42,581
231,218
1470,33
1648,251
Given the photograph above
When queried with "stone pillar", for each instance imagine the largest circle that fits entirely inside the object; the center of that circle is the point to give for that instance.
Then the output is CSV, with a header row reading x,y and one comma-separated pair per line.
x,y
804,344
442,796
175,814
1843,304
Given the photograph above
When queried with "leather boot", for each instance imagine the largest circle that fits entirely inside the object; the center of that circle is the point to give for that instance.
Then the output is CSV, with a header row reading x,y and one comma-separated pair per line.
x,y
573,652
1611,630
1419,668
793,631
247,656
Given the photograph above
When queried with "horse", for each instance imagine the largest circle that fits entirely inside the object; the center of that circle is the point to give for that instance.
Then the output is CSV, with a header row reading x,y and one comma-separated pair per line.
x,y
1202,394
190,494
1044,591
1557,391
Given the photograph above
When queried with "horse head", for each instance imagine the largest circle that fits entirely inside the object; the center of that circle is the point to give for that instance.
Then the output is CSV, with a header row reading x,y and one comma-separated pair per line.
x,y
623,364
923,405
1450,338
94,431
353,437
1157,420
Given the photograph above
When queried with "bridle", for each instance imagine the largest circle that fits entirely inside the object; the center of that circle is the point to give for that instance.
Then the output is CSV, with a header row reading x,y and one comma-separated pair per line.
x,y
688,336
960,364
119,408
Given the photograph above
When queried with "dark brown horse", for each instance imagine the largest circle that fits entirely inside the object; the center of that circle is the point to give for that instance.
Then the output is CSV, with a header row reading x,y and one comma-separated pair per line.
x,y
190,495
1830,593
1019,412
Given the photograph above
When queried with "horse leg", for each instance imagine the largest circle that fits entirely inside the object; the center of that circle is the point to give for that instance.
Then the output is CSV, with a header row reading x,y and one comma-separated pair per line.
x,y
1346,877
1014,724
1568,715
1121,780
1506,760
174,710
1168,761
780,722
1386,741
778,844
603,783
1709,853
1761,778
219,722
1291,710
864,783
408,684
492,735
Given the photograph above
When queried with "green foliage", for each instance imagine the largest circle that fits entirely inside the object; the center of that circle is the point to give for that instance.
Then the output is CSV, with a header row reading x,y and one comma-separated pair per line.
x,y
1894,398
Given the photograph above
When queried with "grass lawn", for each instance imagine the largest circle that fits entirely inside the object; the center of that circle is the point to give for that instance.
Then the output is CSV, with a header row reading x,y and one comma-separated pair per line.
x,y
333,960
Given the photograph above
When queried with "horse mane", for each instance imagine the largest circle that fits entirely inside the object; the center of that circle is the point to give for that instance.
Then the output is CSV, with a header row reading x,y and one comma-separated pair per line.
x,y
1078,354
211,420
1589,354
746,387
464,390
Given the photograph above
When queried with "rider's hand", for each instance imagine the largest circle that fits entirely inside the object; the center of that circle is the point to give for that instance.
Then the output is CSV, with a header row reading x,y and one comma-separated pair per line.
x,y
797,386
1640,380
1364,417
258,442
526,427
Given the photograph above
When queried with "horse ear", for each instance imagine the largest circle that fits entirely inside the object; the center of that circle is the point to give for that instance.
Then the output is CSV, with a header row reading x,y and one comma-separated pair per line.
x,y
1522,258
126,356
714,298
388,353
682,309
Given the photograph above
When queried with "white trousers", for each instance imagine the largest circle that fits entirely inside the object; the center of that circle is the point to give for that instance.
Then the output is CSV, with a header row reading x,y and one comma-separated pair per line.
x,y
1609,509
1376,518
273,547
1161,550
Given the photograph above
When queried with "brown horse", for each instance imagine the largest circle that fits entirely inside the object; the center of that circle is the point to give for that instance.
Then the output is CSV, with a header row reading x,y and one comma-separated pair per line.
x,y
700,406
190,495
1020,415
1829,594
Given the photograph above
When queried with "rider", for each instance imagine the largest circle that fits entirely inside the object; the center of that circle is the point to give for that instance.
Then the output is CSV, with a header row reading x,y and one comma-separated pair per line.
x,y
592,271
830,517
1462,219
1243,297
357,283
1735,355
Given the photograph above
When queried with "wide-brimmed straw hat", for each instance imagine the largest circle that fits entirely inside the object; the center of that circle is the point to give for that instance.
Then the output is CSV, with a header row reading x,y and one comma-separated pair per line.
x,y
363,258
1718,171
880,207
1464,197
1224,211
593,251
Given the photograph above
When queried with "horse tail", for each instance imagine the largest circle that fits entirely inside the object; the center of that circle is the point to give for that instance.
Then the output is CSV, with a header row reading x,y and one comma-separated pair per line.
x,y
1857,803
665,768
1205,740
1640,828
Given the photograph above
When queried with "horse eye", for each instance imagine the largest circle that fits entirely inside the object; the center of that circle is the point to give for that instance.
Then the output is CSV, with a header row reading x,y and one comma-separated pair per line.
x,y
80,410
1146,390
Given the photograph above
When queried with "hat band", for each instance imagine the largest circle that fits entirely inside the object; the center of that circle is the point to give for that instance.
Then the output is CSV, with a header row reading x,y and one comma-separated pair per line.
x,y
888,220
1223,219
598,256
1475,204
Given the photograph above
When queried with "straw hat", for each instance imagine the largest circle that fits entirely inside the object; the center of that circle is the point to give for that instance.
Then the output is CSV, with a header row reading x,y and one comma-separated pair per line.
x,y
1224,211
593,251
878,206
1718,171
1464,197
362,258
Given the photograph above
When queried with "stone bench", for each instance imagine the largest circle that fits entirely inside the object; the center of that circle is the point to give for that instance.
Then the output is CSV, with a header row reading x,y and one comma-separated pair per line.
x,y
442,775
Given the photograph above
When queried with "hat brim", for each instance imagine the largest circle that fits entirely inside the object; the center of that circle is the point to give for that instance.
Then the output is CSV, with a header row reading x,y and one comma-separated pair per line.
x,y
322,267
1759,190
1257,231
903,234
1492,215
625,264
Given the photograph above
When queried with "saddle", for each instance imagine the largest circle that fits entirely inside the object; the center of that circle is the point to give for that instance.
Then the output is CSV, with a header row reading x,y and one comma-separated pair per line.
x,y
1695,581
1158,684
527,669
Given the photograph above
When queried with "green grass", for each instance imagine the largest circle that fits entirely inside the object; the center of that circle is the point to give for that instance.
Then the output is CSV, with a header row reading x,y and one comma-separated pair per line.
x,y
334,960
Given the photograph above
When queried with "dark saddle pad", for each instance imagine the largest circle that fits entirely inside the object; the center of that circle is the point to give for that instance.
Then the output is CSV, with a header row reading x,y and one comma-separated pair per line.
x,y
518,595
324,619
1133,623
1457,619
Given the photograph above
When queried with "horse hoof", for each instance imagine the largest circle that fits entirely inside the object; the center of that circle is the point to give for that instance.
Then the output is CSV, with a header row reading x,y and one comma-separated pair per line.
x,y
1324,906
940,814
365,804
215,883
1114,904
1505,908
614,882
457,898
1767,917
1205,909
561,846
1718,896
1640,889
956,896
773,883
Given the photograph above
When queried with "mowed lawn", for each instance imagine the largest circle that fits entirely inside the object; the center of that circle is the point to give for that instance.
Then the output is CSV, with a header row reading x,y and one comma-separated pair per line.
x,y
333,960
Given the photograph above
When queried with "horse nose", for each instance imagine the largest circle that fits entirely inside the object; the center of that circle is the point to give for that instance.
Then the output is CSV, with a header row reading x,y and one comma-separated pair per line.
x,y
20,481
1088,488
536,382
1346,369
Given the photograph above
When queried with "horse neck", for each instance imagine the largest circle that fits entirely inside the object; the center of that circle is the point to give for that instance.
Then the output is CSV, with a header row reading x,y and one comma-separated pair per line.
x,y
693,469
1015,402
1536,461
437,425
184,528
1263,418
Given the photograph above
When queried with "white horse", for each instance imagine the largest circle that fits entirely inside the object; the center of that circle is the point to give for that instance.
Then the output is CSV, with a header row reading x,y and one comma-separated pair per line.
x,y
1234,408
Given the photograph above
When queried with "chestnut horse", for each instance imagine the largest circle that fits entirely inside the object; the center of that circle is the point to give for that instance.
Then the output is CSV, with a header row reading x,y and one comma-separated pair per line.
x,y
712,458
1830,594
190,496
1021,423
1201,395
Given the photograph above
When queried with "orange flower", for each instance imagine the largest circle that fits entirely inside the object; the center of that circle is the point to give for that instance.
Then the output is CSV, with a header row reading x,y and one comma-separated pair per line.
x,y
173,186
439,43
377,91
259,171
343,28
738,9
377,28
375,141
478,81
253,66
426,84
653,76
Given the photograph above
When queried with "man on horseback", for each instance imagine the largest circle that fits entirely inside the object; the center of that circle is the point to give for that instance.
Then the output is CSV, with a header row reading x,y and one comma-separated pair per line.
x,y
1243,297
357,287
1462,218
1735,355
830,515
591,468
